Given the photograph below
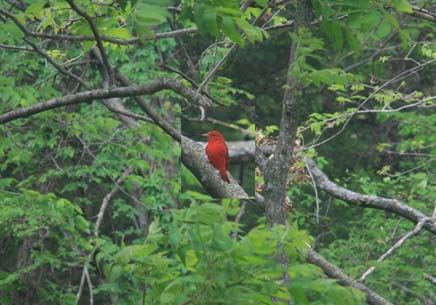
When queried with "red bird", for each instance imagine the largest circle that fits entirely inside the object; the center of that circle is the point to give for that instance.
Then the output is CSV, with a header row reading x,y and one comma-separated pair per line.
x,y
217,152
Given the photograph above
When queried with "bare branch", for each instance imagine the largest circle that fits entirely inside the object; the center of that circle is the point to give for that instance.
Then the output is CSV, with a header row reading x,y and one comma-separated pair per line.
x,y
430,278
18,48
232,48
391,205
424,300
423,14
158,85
316,193
212,72
132,115
81,285
90,288
393,80
100,215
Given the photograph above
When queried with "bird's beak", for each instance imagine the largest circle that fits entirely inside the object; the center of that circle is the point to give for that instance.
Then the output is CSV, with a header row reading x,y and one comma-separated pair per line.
x,y
205,135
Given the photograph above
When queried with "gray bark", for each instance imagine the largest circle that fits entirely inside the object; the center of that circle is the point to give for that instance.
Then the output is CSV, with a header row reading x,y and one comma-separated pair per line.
x,y
86,96
391,205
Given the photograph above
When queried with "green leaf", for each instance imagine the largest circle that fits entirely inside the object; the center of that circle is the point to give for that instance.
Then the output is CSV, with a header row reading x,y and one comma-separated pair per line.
x,y
35,9
210,21
134,252
262,3
146,15
229,28
150,14
122,33
82,224
253,33
352,40
403,6
87,45
337,35
228,11
383,30
173,293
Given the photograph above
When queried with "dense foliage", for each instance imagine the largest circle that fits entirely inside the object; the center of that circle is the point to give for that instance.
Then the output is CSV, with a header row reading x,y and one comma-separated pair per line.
x,y
91,207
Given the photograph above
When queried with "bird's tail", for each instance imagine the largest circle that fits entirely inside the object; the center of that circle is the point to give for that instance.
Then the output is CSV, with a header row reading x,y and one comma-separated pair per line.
x,y
224,176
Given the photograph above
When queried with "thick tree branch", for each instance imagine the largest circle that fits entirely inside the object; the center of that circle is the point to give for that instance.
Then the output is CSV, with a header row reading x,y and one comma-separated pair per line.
x,y
86,96
423,14
391,205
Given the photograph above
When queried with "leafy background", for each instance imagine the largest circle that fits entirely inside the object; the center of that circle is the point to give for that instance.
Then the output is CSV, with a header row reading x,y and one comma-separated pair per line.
x,y
159,246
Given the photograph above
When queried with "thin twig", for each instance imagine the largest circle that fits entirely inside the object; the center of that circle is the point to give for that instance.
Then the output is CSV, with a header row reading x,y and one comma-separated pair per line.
x,y
132,115
316,192
88,279
55,64
11,47
393,80
80,38
398,244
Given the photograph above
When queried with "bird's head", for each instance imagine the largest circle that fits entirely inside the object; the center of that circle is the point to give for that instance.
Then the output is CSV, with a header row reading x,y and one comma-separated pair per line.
x,y
213,135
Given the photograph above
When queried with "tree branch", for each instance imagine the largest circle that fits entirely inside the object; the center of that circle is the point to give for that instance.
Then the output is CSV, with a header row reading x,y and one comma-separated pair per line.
x,y
86,96
17,48
80,38
391,205
160,121
430,278
423,14
333,272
